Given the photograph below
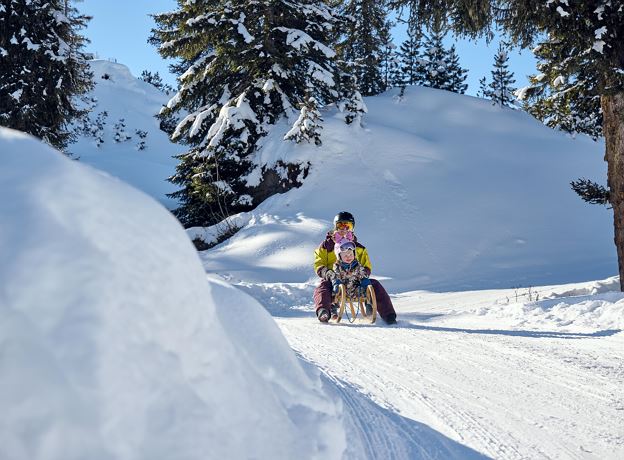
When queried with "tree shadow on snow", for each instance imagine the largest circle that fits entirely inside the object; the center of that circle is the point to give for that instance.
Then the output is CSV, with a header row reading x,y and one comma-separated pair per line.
x,y
376,432
512,333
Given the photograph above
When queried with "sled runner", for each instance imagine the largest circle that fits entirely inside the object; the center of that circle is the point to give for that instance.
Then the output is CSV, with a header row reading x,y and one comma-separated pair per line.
x,y
357,305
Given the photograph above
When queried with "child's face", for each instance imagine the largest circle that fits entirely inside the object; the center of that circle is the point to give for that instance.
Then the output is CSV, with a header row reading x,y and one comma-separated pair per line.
x,y
347,256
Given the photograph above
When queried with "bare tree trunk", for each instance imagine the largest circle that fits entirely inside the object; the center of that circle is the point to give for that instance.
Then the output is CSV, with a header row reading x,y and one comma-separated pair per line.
x,y
613,127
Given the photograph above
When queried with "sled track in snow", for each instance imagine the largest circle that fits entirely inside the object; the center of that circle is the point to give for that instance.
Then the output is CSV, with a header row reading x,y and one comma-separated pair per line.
x,y
444,391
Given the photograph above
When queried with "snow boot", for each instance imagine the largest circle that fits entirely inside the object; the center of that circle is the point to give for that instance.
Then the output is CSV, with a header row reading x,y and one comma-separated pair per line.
x,y
390,319
334,311
323,315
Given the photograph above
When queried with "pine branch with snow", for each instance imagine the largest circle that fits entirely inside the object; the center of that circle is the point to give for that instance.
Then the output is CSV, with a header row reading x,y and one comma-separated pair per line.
x,y
43,69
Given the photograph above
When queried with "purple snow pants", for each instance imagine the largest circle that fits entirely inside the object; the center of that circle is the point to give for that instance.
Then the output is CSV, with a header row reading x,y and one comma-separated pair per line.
x,y
323,298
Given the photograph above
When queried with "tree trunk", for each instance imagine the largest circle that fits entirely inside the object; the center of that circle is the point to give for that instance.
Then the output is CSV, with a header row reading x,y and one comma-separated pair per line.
x,y
613,127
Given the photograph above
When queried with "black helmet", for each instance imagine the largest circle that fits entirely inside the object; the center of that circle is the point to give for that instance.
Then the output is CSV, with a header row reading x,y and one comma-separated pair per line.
x,y
344,216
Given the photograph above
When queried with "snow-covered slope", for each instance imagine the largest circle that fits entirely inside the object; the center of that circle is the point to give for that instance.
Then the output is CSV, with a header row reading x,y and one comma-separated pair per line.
x,y
449,192
113,345
120,97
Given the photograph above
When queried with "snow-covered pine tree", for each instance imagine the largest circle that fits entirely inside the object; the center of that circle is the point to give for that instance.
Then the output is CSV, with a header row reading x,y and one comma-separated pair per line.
x,y
43,70
438,67
362,43
350,101
391,70
431,66
500,90
581,64
243,67
308,126
457,74
409,57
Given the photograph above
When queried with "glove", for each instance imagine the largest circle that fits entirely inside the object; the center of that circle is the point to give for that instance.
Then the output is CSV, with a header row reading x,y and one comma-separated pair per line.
x,y
330,275
365,282
335,285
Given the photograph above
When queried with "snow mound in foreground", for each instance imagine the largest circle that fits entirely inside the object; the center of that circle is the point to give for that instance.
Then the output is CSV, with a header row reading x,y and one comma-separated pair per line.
x,y
114,345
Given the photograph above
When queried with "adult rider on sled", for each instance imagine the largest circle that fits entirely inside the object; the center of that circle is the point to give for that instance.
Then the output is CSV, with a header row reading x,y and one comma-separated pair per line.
x,y
334,255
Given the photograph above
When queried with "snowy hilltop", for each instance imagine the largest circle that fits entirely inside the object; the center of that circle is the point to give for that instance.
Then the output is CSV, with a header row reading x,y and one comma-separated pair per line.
x,y
122,135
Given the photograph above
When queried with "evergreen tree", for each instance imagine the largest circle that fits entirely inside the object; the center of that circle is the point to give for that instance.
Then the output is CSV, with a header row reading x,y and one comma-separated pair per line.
x,y
243,67
362,44
457,74
581,65
43,70
500,89
307,127
558,101
350,100
483,89
438,67
409,55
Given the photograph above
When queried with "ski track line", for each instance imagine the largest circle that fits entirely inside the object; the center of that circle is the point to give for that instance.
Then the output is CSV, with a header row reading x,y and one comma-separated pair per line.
x,y
505,396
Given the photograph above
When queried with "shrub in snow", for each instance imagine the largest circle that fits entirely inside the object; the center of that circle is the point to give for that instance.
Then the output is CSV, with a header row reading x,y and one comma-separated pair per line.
x,y
142,135
120,131
114,344
95,128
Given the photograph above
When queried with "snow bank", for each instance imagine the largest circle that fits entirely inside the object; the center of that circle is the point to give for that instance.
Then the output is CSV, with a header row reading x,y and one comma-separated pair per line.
x,y
114,345
448,192
587,307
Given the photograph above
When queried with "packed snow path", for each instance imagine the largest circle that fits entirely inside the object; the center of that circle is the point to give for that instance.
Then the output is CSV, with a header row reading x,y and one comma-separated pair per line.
x,y
443,382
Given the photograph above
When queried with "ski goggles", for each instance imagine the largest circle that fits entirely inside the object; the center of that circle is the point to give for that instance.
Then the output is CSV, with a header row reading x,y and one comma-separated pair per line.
x,y
346,225
348,246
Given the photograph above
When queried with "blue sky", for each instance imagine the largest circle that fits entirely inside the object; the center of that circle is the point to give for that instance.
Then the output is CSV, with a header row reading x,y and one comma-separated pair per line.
x,y
120,29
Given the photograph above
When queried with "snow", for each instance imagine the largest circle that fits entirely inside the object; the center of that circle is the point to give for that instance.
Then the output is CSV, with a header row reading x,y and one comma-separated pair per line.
x,y
449,193
468,217
243,30
563,13
114,345
123,95
503,349
598,45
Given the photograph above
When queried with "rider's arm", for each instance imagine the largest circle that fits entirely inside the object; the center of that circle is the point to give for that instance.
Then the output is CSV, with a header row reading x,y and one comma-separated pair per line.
x,y
321,262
